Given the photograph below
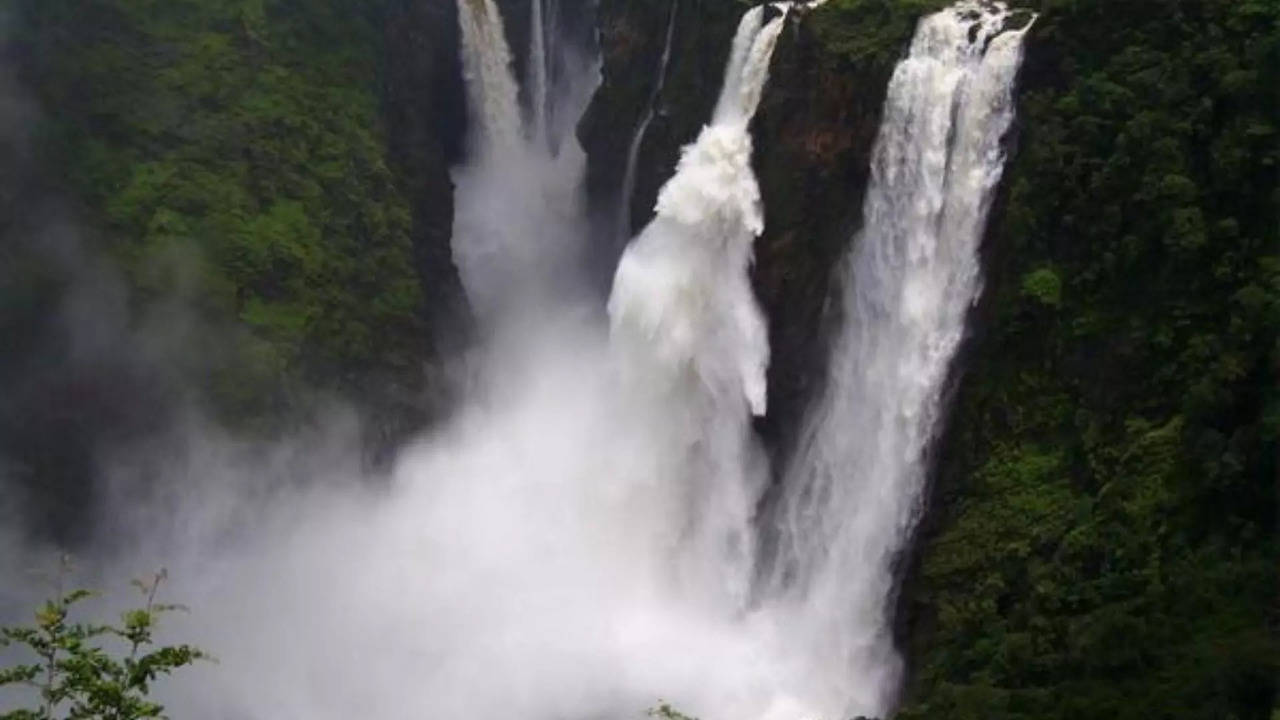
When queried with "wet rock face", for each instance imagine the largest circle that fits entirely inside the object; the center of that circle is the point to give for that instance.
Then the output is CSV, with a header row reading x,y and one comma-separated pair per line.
x,y
814,135
570,24
631,35
425,109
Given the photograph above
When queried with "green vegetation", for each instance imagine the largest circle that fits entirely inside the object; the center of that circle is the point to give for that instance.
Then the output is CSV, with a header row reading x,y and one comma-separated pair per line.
x,y
1105,540
870,32
233,152
1043,285
86,671
664,711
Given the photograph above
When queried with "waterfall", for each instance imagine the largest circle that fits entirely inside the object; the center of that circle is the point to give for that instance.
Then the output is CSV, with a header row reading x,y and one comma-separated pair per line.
x,y
854,490
687,327
545,55
538,89
517,221
486,64
637,138
577,540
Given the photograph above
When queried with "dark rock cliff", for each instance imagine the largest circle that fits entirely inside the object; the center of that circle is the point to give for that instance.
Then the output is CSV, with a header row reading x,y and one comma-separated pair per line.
x,y
424,106
814,135
424,102
632,33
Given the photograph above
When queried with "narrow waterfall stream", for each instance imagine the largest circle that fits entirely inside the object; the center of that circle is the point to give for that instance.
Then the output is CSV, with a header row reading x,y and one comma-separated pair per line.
x,y
538,75
853,492
637,138
491,88
519,231
546,61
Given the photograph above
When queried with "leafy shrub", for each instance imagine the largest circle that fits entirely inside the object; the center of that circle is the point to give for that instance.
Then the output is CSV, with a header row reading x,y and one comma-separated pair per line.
x,y
80,674
1044,286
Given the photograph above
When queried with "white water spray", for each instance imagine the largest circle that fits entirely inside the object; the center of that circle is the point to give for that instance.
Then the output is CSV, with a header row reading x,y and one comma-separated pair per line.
x,y
853,493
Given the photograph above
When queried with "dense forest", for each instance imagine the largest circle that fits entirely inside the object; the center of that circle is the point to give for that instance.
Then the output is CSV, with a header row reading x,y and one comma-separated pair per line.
x,y
236,156
268,181
215,184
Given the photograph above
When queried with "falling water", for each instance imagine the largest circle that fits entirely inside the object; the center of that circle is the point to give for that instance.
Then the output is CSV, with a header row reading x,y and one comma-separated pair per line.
x,y
517,222
688,329
544,55
637,138
486,64
538,76
854,491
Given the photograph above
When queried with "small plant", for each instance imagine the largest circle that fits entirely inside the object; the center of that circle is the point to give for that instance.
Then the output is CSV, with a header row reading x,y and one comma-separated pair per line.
x,y
664,711
76,676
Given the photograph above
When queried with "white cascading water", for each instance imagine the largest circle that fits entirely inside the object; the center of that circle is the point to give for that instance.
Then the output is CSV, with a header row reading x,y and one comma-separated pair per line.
x,y
853,492
577,541
689,333
518,221
486,66
637,138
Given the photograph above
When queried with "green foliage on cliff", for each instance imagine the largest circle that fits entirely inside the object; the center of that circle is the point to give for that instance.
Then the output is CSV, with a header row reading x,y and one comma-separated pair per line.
x,y
1105,545
870,31
232,151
